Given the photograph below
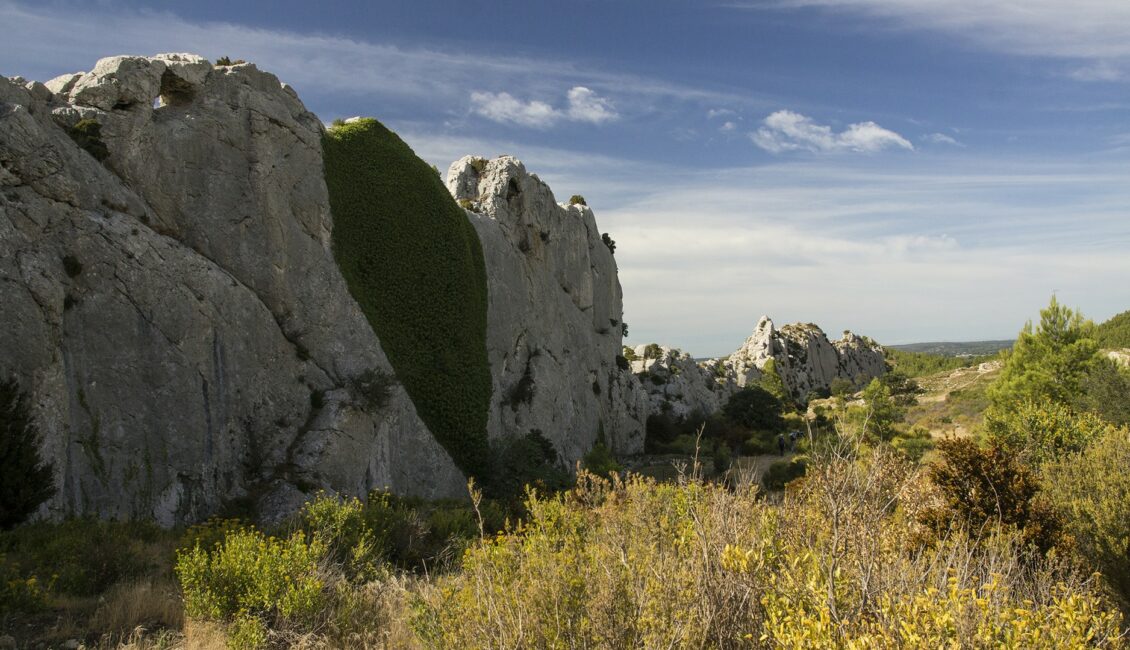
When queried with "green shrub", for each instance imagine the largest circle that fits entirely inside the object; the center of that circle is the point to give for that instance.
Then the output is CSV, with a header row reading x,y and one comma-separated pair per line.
x,y
755,408
760,443
84,556
414,265
1091,490
1042,431
638,564
609,242
783,472
226,61
519,461
577,199
18,592
25,480
990,487
630,353
251,575
87,134
599,461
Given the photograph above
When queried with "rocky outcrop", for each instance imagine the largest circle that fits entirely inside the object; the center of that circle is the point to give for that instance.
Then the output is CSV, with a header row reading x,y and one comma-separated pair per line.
x,y
554,315
679,386
802,355
174,310
805,359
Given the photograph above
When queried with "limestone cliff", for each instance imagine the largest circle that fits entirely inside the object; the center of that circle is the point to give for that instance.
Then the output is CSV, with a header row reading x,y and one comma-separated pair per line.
x,y
554,316
173,307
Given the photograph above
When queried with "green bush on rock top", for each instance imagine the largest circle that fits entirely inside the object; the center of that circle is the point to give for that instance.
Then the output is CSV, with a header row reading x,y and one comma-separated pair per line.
x,y
415,266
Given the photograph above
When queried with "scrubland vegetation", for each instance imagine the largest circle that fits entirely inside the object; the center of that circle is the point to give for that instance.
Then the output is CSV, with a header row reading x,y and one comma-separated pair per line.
x,y
870,536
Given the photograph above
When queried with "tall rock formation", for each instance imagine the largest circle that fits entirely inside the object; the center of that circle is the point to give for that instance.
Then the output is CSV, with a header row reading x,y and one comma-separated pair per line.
x,y
554,316
805,359
175,313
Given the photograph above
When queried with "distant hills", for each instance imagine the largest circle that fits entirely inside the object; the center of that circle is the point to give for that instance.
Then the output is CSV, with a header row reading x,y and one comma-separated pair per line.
x,y
1114,333
955,349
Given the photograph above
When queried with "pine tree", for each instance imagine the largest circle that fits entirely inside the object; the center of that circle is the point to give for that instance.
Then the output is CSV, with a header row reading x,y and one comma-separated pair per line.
x,y
25,480
1048,362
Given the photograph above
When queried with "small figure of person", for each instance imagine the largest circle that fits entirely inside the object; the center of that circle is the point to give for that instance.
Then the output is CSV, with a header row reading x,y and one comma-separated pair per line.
x,y
781,443
794,435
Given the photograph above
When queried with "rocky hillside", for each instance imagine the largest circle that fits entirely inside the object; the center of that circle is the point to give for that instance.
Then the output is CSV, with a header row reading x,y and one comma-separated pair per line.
x,y
802,355
176,313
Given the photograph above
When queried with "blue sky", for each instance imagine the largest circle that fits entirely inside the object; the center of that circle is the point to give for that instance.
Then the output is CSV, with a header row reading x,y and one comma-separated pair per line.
x,y
908,169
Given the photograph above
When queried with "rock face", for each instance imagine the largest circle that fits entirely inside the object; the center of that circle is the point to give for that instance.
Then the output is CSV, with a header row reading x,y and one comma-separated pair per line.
x,y
804,357
678,385
175,312
554,314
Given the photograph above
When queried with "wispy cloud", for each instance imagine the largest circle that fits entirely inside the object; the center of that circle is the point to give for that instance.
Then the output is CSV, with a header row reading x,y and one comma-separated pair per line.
x,y
719,112
1082,29
45,40
941,138
788,131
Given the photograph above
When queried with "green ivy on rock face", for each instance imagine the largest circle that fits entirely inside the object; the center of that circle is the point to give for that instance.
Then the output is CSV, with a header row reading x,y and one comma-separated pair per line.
x,y
414,264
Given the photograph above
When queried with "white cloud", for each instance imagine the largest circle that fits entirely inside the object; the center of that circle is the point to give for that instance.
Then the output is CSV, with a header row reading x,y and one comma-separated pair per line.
x,y
1087,29
941,138
728,127
586,106
789,131
718,112
503,107
583,106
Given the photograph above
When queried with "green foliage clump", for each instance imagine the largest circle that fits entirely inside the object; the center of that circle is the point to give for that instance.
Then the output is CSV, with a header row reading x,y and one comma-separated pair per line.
x,y
519,461
600,461
991,487
415,266
227,61
25,480
1039,432
1091,489
87,134
577,199
772,383
1115,332
84,557
783,472
755,408
609,242
879,414
254,581
19,592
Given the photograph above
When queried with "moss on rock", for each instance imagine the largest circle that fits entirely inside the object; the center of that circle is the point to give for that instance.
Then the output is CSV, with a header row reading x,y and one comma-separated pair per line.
x,y
415,266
